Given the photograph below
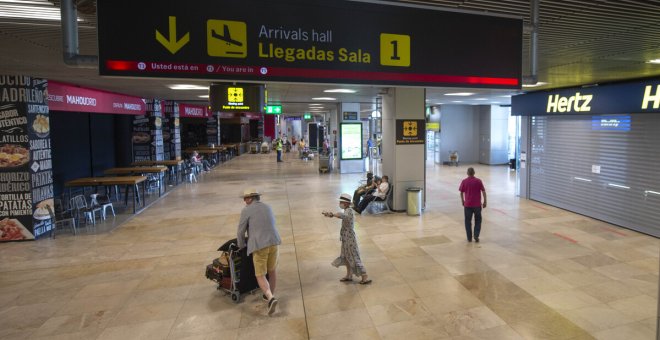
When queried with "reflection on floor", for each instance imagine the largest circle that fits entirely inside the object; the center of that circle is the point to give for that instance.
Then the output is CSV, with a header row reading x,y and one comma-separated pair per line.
x,y
538,273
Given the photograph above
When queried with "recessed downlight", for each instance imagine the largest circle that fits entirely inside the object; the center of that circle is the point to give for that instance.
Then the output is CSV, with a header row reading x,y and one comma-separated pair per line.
x,y
187,87
339,91
459,94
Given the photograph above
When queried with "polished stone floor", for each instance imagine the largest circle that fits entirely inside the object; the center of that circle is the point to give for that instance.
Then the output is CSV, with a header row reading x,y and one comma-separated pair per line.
x,y
539,272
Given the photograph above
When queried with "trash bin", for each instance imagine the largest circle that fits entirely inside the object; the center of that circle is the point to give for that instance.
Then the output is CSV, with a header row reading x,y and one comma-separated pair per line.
x,y
414,201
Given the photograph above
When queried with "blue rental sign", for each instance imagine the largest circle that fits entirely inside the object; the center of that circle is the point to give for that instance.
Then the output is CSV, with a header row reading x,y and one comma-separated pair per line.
x,y
633,97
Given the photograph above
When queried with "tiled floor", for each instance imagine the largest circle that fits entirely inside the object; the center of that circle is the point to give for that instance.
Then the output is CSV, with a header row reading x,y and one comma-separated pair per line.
x,y
539,272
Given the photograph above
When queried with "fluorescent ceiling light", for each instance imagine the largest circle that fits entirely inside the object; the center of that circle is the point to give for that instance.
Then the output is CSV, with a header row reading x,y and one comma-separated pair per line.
x,y
339,91
618,186
651,192
187,87
540,83
460,94
480,99
654,61
324,98
456,101
507,96
582,179
39,10
315,104
204,96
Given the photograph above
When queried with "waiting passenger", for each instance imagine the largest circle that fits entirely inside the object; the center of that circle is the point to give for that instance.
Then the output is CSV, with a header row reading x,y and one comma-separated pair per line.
x,y
379,195
199,162
363,189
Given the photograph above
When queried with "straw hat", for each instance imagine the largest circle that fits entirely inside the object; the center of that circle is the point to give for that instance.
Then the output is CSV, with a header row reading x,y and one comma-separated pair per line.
x,y
250,192
346,198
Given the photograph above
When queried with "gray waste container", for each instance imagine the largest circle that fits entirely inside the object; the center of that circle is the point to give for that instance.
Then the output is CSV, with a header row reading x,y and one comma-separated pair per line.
x,y
414,201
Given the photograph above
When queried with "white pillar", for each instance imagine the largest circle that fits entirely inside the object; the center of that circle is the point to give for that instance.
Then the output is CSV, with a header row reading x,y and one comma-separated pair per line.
x,y
403,164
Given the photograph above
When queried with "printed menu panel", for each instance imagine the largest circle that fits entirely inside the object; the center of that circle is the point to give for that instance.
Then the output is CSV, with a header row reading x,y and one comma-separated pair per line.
x,y
26,177
212,130
141,138
171,130
148,133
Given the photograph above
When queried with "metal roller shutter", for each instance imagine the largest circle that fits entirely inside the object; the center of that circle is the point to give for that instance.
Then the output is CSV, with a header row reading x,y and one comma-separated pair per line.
x,y
567,151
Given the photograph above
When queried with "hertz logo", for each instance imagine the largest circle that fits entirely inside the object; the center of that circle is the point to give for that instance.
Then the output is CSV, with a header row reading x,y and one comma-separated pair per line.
x,y
577,103
648,97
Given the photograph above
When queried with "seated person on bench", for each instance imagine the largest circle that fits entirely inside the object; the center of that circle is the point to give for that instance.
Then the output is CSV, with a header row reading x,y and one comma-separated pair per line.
x,y
379,195
199,162
363,189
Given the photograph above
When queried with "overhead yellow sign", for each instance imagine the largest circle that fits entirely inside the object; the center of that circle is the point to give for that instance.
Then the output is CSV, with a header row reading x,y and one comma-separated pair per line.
x,y
394,50
226,38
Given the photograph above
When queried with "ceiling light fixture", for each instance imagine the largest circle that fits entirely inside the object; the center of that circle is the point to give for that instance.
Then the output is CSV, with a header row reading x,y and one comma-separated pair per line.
x,y
460,94
40,10
339,91
480,99
654,61
456,101
187,87
204,96
324,98
540,83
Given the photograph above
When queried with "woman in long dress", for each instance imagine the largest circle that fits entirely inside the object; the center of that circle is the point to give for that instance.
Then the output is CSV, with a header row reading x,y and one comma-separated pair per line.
x,y
350,253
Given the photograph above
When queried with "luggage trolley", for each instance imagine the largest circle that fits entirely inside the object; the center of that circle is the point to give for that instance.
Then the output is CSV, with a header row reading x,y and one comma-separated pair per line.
x,y
236,276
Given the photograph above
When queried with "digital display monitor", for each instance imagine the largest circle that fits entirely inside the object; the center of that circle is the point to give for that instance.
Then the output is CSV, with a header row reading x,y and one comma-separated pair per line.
x,y
237,98
351,141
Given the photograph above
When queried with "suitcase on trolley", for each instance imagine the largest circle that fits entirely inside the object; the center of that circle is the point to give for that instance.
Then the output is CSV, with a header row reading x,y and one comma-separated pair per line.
x,y
233,271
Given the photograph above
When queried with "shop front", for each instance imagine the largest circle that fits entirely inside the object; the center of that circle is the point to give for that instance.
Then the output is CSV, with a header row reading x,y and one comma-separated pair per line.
x,y
593,151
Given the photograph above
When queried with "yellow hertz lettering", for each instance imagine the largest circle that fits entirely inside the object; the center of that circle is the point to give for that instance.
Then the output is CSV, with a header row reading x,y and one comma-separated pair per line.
x,y
577,103
648,97
291,54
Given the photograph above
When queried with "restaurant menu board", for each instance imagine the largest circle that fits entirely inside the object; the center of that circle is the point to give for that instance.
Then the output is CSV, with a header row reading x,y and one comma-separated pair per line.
x,y
351,140
148,134
171,130
26,177
213,130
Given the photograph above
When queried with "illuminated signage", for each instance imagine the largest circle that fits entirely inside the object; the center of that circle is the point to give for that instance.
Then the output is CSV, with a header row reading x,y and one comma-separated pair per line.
x,y
575,103
611,123
274,109
249,41
410,131
350,135
648,97
307,116
236,98
641,96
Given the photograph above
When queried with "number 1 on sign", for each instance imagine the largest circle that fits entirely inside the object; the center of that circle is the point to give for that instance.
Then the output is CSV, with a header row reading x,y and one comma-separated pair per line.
x,y
395,54
394,50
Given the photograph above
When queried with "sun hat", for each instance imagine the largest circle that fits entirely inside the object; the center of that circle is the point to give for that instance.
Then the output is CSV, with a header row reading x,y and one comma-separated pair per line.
x,y
250,192
346,198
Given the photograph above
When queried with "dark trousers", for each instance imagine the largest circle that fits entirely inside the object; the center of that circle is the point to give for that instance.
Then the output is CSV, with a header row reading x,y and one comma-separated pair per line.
x,y
366,200
469,211
279,155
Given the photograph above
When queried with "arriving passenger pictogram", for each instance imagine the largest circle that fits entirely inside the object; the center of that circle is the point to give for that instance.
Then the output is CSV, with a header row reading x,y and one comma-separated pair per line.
x,y
226,38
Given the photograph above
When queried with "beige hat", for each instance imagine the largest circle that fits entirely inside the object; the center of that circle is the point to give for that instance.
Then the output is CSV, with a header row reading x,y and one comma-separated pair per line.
x,y
346,198
250,192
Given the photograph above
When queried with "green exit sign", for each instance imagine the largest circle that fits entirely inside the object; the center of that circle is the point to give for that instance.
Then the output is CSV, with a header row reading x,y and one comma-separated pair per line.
x,y
307,116
274,109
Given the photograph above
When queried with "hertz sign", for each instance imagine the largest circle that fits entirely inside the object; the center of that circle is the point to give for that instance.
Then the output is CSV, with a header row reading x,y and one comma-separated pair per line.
x,y
308,41
634,97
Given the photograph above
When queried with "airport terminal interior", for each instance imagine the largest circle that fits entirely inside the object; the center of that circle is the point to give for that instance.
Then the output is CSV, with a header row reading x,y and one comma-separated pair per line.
x,y
124,164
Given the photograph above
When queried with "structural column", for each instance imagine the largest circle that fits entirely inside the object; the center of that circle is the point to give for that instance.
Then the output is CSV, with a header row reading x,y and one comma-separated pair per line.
x,y
403,143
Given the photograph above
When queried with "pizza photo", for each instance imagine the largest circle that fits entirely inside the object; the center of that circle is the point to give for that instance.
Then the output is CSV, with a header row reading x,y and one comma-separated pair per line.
x,y
12,155
13,230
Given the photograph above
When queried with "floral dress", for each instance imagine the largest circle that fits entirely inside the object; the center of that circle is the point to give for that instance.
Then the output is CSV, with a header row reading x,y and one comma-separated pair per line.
x,y
350,254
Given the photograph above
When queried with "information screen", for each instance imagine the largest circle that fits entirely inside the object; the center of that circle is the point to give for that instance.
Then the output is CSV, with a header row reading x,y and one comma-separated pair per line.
x,y
351,141
237,98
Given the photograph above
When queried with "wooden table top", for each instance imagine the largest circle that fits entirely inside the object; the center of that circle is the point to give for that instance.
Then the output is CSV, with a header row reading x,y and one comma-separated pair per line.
x,y
150,163
137,169
94,181
203,148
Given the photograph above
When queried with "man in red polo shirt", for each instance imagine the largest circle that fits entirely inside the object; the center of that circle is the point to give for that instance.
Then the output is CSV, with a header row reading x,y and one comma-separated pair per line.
x,y
471,189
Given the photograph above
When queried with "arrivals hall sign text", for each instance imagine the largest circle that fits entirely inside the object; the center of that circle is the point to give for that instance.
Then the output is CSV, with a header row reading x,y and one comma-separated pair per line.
x,y
308,41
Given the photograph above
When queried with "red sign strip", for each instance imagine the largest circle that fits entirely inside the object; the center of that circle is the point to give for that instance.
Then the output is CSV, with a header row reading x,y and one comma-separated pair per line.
x,y
71,98
266,72
193,111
